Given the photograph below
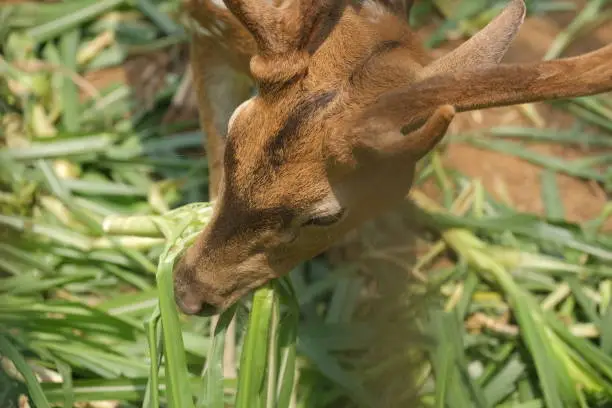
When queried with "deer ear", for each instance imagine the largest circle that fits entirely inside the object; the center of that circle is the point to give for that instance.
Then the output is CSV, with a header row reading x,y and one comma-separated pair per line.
x,y
416,143
487,47
382,141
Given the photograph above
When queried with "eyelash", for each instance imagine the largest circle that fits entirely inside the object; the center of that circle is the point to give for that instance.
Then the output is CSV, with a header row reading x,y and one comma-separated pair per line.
x,y
324,221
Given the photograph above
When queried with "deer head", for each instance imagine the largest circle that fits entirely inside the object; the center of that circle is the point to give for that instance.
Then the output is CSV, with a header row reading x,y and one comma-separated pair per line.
x,y
347,104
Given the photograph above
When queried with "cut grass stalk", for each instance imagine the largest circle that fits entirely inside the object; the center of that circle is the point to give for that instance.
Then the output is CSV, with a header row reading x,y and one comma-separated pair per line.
x,y
255,350
177,376
38,396
212,393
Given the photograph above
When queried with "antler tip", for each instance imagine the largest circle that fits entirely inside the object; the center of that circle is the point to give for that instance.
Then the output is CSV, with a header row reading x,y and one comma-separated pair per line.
x,y
520,6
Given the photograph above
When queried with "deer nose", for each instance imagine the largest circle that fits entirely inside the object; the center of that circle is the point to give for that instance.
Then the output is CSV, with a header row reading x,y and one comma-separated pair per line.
x,y
201,309
191,305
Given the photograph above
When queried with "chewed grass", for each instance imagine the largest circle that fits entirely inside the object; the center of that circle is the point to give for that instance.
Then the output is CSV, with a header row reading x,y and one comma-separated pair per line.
x,y
502,309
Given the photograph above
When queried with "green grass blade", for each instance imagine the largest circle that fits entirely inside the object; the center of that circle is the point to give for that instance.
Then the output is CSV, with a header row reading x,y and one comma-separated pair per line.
x,y
61,149
329,367
551,196
66,373
443,370
179,393
255,349
67,21
154,340
69,43
36,392
503,384
287,346
547,365
271,379
160,19
212,395
606,331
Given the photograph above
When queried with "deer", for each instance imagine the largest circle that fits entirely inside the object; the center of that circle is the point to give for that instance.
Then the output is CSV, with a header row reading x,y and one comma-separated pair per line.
x,y
347,103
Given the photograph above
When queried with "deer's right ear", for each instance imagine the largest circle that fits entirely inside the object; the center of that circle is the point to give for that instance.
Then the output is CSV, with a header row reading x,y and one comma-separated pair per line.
x,y
383,140
485,48
410,147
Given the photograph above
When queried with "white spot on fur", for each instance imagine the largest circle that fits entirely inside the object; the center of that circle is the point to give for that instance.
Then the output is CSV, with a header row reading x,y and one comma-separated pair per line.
x,y
218,3
328,206
374,10
239,109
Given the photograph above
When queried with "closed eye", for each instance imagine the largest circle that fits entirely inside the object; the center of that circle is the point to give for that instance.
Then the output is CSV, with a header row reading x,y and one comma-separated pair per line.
x,y
325,220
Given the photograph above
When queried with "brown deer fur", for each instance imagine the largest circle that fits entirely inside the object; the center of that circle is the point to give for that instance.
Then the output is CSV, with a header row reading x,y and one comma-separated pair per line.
x,y
347,103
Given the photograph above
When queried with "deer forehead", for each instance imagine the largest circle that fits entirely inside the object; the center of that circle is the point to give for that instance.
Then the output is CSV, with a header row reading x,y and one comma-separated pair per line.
x,y
265,137
295,183
273,157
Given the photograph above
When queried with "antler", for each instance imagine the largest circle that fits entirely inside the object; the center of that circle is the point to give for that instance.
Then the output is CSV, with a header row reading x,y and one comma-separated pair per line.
x,y
471,78
502,85
286,34
487,47
421,141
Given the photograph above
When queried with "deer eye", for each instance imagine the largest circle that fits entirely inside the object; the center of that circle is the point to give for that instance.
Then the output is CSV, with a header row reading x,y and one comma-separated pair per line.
x,y
325,220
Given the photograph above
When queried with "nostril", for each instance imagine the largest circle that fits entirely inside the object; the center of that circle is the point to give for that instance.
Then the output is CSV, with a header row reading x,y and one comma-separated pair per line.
x,y
192,305
189,294
188,306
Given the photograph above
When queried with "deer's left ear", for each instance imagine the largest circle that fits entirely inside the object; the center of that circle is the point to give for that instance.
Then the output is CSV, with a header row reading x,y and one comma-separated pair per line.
x,y
485,48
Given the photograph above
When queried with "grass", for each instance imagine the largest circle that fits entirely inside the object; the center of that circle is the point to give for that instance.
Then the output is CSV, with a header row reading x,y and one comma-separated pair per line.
x,y
94,214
